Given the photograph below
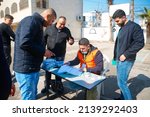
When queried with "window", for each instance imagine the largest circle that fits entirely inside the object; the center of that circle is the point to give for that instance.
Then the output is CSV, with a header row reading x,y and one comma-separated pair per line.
x,y
23,4
7,11
2,14
41,3
0,2
38,4
14,8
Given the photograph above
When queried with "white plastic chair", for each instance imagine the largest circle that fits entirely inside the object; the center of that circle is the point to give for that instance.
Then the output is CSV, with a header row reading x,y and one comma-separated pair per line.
x,y
106,62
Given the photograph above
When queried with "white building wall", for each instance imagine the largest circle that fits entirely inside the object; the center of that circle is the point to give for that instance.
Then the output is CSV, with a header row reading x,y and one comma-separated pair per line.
x,y
105,20
96,33
34,8
68,8
101,33
20,13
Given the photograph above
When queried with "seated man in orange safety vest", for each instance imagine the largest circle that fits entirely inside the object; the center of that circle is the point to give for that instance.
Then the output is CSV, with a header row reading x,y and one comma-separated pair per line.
x,y
91,60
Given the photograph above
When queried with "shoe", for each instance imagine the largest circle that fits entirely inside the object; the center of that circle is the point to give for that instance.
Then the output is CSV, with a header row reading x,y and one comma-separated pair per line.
x,y
44,90
117,98
57,87
60,89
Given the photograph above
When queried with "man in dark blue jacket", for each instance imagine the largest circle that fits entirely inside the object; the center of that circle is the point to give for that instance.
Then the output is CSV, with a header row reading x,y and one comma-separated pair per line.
x,y
129,41
29,51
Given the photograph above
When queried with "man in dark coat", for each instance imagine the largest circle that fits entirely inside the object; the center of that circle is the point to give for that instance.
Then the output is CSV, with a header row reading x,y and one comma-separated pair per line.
x,y
7,36
5,76
129,41
29,51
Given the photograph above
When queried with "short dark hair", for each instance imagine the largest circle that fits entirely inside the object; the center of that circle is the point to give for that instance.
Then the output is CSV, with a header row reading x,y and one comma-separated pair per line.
x,y
53,12
118,14
7,16
84,41
63,17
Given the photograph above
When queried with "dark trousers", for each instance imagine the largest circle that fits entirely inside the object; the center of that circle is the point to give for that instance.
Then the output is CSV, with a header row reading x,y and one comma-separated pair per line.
x,y
48,78
48,74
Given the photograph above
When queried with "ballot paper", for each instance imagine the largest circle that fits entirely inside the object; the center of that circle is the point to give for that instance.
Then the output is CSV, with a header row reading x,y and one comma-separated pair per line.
x,y
70,70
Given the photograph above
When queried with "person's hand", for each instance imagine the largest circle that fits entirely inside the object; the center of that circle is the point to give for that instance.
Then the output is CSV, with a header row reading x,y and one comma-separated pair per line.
x,y
122,57
13,89
71,41
49,54
83,69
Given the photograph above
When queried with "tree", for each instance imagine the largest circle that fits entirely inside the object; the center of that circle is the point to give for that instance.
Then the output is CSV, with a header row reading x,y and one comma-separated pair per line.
x,y
110,2
146,17
132,10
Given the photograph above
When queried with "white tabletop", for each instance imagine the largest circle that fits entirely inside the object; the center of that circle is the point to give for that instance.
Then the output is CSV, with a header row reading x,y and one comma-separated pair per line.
x,y
86,80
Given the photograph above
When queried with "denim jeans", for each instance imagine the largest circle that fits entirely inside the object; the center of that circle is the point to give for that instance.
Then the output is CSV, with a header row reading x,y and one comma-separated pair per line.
x,y
28,84
123,70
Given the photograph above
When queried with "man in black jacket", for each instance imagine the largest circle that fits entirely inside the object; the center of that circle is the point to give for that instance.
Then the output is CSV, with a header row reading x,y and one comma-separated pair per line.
x,y
6,85
7,36
56,37
129,41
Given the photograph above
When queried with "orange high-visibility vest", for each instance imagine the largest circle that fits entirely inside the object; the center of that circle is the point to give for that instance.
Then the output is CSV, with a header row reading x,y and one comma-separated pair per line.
x,y
88,60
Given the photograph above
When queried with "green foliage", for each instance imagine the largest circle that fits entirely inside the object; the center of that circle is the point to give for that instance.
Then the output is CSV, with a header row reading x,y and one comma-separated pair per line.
x,y
146,14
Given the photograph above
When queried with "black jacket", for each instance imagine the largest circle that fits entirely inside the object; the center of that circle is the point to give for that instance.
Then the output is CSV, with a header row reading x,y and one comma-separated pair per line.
x,y
5,77
129,41
6,32
56,39
29,44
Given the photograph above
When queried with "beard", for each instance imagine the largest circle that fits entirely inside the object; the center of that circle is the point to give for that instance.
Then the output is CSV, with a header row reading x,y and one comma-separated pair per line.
x,y
121,24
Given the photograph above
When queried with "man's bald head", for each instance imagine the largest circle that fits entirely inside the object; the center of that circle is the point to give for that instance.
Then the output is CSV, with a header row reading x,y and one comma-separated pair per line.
x,y
49,16
61,22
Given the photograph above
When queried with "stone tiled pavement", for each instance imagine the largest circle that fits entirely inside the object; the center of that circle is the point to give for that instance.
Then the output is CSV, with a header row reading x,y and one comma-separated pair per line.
x,y
139,79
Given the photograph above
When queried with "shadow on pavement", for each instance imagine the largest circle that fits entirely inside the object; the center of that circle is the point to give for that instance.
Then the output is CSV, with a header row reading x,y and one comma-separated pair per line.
x,y
66,95
111,89
138,83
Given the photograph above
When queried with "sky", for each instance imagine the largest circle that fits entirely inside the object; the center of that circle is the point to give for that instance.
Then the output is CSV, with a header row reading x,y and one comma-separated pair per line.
x,y
101,5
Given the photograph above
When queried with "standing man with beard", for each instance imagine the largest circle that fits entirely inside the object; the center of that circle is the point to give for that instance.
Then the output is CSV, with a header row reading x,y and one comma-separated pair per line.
x,y
129,41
